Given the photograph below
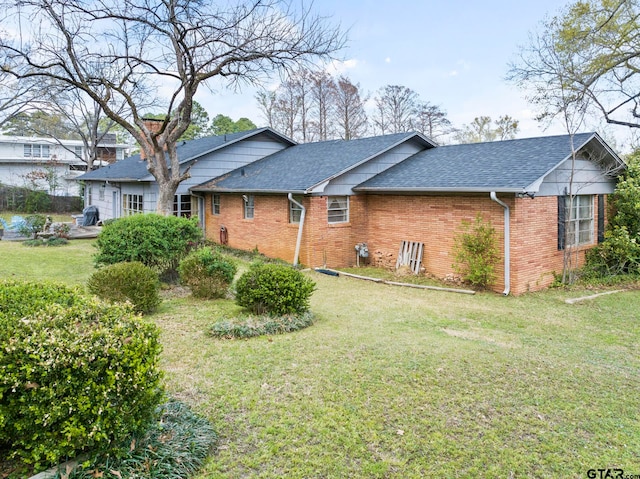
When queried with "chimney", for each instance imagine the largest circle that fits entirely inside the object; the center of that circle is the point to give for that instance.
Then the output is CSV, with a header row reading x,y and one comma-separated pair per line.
x,y
153,125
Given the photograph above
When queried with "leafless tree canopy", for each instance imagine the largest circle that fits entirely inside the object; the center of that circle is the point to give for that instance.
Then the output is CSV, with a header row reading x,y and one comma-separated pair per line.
x,y
140,53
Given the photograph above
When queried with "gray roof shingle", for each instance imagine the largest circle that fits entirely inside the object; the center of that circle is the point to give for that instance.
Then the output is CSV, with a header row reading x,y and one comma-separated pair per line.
x,y
301,167
506,166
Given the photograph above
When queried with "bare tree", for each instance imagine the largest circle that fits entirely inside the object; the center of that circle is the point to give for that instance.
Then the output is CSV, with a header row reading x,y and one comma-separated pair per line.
x,y
267,103
86,117
287,109
323,95
125,51
431,120
351,116
483,128
394,110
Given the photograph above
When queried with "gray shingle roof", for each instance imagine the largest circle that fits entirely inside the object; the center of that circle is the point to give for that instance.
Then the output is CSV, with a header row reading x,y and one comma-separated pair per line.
x,y
134,169
508,166
301,167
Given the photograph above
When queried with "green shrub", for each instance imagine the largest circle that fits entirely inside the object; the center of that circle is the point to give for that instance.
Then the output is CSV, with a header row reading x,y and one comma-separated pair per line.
x,y
274,289
248,327
32,225
52,241
122,282
175,446
159,242
76,374
619,253
207,273
476,253
37,201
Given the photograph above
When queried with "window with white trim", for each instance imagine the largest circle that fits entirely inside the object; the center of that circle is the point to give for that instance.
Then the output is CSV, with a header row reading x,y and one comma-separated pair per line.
x,y
132,205
249,206
77,150
295,212
215,204
182,206
36,151
338,209
579,220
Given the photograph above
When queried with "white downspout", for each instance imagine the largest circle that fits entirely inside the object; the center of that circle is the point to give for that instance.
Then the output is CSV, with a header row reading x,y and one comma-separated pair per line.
x,y
507,245
300,226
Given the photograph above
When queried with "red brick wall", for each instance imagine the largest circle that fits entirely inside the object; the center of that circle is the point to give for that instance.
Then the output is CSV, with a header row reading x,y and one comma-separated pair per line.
x,y
269,230
432,220
383,221
534,243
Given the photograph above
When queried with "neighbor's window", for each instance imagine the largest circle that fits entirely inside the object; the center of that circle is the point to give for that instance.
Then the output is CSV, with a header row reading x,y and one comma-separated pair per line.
x,y
215,204
132,204
338,209
578,218
294,210
182,206
36,151
249,206
77,150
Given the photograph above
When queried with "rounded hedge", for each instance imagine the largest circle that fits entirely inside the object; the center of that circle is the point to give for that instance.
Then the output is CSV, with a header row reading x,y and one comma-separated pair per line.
x,y
133,282
159,242
207,273
76,374
275,289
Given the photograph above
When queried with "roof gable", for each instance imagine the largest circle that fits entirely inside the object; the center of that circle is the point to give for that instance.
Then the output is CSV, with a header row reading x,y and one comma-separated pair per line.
x,y
502,166
302,167
135,169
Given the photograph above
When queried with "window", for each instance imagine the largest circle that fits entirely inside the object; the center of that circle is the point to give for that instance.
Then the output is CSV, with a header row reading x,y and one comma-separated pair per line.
x,y
132,204
77,150
249,206
577,218
36,151
338,209
215,204
182,206
294,210
101,191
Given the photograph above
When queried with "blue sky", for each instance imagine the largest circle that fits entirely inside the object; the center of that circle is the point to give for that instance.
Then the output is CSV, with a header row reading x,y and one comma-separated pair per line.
x,y
454,54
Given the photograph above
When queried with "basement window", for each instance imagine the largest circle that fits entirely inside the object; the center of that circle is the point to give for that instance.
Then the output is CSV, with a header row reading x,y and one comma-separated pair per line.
x,y
338,209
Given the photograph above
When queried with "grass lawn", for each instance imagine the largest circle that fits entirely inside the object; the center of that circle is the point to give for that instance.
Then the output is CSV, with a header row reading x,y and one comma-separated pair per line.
x,y
71,263
403,383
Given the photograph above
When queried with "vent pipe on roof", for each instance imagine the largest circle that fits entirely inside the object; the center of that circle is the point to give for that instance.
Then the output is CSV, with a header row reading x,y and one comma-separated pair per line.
x,y
300,226
507,244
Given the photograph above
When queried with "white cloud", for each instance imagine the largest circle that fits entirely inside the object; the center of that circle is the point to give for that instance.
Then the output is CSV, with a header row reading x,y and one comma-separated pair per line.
x,y
387,60
338,67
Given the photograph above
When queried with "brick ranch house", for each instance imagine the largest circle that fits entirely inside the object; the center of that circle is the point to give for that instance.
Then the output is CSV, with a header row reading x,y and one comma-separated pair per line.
x,y
312,203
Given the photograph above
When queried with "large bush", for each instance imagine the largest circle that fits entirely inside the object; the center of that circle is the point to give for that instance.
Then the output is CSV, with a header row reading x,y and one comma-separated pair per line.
x,y
275,289
159,242
133,282
619,253
76,374
207,273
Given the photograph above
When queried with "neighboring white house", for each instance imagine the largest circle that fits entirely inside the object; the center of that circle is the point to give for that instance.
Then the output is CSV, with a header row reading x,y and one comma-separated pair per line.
x,y
48,164
126,187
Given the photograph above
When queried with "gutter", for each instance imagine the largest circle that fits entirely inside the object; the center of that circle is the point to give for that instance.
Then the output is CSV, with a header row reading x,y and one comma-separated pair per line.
x,y
507,244
300,226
